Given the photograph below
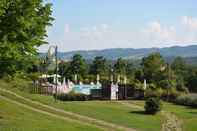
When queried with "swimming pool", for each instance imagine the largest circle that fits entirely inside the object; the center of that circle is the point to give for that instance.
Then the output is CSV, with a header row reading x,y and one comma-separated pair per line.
x,y
85,89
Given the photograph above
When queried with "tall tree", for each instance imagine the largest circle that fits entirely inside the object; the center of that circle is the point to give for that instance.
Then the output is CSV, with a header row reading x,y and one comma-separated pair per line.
x,y
179,66
120,66
191,80
64,69
153,67
22,29
78,65
99,66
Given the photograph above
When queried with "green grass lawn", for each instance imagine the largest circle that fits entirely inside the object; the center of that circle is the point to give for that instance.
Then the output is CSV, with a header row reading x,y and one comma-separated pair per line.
x,y
115,113
187,115
121,114
105,110
16,118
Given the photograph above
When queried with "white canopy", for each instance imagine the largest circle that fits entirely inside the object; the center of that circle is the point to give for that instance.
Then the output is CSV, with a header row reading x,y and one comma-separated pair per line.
x,y
44,76
54,75
49,76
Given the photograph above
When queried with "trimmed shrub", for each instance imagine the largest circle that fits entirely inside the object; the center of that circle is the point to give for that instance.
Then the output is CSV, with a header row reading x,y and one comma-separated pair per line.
x,y
187,100
152,86
170,94
153,93
164,84
152,105
72,97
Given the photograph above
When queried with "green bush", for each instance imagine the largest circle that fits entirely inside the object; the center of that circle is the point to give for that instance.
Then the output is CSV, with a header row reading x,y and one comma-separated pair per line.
x,y
187,100
151,86
153,92
164,94
164,84
182,88
20,82
152,105
72,97
170,94
138,86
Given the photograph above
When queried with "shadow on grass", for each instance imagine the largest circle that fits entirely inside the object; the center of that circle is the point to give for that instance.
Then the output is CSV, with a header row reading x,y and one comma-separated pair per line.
x,y
193,112
191,107
139,112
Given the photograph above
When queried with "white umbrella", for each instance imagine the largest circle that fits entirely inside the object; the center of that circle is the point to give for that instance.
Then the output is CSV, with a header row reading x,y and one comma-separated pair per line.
x,y
54,75
118,79
44,76
144,84
64,81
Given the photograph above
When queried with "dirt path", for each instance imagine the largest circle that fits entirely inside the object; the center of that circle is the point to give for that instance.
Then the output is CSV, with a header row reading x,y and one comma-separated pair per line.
x,y
171,123
83,119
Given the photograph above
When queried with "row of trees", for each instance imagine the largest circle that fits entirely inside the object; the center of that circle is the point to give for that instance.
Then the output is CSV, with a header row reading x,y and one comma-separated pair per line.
x,y
87,71
153,68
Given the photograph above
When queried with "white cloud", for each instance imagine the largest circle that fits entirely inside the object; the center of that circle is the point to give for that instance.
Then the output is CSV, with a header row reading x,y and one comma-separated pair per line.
x,y
66,28
190,22
155,27
153,34
104,27
182,33
159,33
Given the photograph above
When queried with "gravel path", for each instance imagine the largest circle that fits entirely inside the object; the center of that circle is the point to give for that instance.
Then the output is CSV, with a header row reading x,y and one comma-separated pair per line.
x,y
171,123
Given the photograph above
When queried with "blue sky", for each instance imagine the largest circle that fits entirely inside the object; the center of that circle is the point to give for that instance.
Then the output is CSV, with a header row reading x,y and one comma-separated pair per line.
x,y
100,24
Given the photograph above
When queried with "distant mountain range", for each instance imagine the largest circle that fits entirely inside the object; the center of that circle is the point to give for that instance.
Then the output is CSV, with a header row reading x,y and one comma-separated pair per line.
x,y
130,53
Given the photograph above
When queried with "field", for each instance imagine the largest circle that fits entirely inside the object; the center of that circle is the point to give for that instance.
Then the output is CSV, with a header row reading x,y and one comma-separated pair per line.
x,y
111,112
15,118
128,114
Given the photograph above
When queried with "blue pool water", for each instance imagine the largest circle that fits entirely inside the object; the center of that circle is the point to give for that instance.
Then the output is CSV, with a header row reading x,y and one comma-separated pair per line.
x,y
85,89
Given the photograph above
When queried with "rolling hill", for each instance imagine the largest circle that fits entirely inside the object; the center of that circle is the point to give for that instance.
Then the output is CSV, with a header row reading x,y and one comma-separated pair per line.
x,y
131,53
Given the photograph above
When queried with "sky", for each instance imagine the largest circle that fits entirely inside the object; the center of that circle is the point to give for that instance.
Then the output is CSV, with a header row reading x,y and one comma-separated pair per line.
x,y
101,24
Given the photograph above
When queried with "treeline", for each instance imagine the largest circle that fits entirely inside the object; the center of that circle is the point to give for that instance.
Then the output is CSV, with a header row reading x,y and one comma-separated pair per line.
x,y
158,73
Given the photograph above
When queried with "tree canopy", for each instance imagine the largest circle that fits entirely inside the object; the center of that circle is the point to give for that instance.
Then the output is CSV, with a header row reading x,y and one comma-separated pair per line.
x,y
120,66
78,65
99,66
22,29
153,67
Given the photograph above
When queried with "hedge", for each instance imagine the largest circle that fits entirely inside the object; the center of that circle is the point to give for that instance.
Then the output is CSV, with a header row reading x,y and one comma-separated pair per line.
x,y
187,100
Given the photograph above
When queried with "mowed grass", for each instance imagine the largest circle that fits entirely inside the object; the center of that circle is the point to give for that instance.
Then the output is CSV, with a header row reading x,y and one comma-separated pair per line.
x,y
108,111
187,115
17,118
105,110
121,114
115,113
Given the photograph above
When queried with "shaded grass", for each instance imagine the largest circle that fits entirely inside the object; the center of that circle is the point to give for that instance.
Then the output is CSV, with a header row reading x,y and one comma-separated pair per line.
x,y
139,112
